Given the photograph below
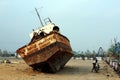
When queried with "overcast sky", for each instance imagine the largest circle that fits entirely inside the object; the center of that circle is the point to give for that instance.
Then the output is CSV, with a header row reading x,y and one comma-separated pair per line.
x,y
88,24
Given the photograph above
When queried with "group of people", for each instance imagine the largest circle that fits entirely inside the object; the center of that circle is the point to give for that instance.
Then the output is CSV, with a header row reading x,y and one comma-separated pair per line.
x,y
96,66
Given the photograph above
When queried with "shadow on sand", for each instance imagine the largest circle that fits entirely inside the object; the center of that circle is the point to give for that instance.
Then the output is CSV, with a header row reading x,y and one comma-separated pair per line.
x,y
68,70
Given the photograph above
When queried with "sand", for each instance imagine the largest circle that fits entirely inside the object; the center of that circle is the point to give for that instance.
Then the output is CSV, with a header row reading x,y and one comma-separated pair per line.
x,y
73,70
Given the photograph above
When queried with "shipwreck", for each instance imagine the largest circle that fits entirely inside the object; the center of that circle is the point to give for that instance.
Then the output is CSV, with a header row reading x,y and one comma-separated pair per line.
x,y
48,50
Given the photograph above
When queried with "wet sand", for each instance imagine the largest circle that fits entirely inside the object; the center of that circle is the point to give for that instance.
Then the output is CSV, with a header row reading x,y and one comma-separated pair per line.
x,y
73,70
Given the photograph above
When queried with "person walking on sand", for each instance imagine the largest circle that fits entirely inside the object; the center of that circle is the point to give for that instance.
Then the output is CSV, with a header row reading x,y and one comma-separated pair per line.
x,y
96,61
94,66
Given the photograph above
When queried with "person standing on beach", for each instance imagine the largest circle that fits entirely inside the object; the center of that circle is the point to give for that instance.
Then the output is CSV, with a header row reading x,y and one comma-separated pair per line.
x,y
94,66
96,61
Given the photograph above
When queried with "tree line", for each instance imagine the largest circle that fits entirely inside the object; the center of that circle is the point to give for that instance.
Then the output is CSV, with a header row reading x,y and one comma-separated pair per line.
x,y
89,54
5,53
113,51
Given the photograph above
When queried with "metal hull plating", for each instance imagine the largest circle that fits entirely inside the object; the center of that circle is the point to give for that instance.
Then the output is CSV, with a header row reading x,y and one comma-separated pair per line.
x,y
48,54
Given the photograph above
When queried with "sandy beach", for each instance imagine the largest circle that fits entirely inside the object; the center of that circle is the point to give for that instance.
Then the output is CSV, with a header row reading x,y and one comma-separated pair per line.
x,y
75,69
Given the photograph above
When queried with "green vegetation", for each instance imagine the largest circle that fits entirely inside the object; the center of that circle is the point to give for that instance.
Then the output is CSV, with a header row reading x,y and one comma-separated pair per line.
x,y
87,54
114,51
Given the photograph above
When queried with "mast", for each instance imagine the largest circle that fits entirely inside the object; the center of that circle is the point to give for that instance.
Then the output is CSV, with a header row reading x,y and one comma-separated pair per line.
x,y
39,17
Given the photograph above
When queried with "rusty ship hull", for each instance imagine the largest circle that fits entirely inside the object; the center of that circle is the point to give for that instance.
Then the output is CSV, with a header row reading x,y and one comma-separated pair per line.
x,y
48,54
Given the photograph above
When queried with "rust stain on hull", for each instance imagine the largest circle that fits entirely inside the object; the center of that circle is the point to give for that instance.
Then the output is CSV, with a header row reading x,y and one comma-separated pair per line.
x,y
48,54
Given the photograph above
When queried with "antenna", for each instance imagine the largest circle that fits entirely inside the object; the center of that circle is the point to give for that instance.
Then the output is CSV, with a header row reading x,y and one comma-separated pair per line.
x,y
39,17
